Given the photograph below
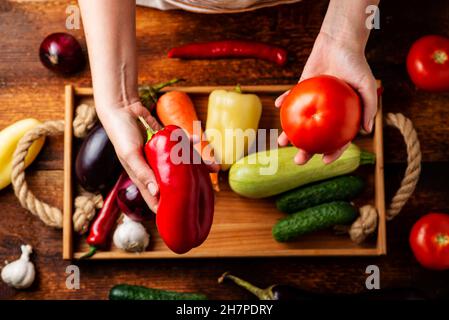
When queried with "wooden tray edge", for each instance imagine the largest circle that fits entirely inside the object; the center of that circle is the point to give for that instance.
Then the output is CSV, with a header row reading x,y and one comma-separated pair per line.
x,y
379,182
67,233
110,255
68,253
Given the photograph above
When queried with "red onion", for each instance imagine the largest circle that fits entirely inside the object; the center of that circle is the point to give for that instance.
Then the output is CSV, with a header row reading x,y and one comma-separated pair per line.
x,y
62,53
132,203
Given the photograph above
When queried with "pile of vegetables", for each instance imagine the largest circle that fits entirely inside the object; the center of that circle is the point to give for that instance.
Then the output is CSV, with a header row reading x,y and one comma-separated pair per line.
x,y
311,207
183,218
309,116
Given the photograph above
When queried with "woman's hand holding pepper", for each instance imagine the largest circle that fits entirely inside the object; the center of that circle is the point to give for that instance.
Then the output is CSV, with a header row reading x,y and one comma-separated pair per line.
x,y
125,133
113,62
339,51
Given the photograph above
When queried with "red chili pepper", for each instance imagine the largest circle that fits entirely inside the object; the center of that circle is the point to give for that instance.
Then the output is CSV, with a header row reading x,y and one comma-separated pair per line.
x,y
230,49
101,229
186,198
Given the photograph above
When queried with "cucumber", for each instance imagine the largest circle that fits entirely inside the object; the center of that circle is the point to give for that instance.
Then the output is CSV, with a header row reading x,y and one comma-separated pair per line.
x,y
129,292
341,188
314,219
272,172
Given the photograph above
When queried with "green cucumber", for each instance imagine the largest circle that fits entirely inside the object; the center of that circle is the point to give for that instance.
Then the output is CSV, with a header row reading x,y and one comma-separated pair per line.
x,y
272,172
129,292
341,188
313,219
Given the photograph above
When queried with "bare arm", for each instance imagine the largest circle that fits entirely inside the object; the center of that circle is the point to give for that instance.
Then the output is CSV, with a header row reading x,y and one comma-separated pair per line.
x,y
339,50
110,31
345,22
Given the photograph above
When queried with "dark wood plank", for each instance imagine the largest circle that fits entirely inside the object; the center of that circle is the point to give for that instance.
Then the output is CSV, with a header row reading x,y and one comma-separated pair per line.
x,y
27,89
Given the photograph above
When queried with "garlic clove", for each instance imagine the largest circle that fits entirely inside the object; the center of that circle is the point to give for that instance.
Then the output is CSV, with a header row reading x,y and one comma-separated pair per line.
x,y
20,273
131,236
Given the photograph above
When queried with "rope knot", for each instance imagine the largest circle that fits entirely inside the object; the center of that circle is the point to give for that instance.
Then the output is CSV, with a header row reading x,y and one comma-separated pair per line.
x,y
85,119
365,224
85,207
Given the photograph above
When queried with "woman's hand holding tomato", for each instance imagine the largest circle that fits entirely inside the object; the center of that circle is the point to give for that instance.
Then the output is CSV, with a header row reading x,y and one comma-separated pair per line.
x,y
321,115
348,63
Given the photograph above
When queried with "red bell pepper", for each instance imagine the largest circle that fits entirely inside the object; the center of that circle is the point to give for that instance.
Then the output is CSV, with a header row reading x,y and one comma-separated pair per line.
x,y
186,198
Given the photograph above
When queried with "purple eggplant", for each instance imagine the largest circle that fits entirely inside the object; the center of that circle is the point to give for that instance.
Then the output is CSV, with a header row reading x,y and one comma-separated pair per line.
x,y
97,166
132,203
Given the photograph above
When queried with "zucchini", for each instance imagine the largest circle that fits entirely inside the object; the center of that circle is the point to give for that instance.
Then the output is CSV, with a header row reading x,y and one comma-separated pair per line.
x,y
129,292
272,172
314,219
341,188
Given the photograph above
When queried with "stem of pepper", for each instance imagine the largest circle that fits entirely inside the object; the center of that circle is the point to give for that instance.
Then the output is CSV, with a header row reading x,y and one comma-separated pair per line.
x,y
262,294
161,86
92,251
150,131
238,88
148,94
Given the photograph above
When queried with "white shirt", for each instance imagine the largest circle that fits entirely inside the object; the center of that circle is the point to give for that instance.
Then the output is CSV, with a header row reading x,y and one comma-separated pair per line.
x,y
212,6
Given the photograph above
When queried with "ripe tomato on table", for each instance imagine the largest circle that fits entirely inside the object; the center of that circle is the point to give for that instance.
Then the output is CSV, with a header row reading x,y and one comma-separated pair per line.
x,y
429,240
321,114
428,63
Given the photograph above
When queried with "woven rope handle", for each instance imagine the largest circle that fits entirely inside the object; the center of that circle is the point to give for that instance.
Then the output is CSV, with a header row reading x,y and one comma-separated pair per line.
x,y
50,215
411,177
85,204
366,224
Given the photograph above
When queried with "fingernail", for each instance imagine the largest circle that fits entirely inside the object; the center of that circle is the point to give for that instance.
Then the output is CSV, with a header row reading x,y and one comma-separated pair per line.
x,y
152,188
276,103
370,125
299,159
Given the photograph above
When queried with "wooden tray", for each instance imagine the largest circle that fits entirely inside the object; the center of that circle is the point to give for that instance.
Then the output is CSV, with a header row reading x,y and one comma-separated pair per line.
x,y
242,227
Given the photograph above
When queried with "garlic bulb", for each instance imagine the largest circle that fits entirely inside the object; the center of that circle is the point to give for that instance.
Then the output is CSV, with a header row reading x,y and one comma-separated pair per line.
x,y
131,236
20,273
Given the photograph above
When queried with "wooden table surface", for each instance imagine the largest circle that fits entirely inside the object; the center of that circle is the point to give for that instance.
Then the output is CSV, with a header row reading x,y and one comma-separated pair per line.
x,y
27,89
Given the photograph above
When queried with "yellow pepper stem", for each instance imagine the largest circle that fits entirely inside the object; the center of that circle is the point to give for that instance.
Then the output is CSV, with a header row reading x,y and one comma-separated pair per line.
x,y
238,88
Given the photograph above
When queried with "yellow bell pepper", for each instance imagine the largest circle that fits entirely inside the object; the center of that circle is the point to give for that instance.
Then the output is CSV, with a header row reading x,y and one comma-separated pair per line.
x,y
9,138
232,122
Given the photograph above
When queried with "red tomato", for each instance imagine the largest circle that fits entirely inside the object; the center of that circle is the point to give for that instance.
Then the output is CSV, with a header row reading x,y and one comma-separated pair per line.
x,y
428,63
429,240
321,114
